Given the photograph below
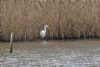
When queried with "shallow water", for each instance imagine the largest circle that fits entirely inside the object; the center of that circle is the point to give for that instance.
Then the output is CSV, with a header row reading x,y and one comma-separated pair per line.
x,y
69,53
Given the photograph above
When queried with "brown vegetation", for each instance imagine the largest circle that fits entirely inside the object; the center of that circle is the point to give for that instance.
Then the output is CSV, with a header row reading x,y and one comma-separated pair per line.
x,y
65,18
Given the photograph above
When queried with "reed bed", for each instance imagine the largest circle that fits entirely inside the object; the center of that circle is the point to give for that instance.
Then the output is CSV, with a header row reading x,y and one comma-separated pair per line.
x,y
65,18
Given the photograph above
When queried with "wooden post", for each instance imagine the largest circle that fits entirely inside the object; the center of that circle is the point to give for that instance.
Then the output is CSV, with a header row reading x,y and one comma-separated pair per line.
x,y
11,42
25,38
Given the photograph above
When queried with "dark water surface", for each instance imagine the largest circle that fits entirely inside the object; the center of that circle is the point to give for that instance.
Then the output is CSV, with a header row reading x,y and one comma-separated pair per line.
x,y
69,53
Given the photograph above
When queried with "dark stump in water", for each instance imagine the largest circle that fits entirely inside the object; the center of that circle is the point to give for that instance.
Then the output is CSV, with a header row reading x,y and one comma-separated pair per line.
x,y
11,49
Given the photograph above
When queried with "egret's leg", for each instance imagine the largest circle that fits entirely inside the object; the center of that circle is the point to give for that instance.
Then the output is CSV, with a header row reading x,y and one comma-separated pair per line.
x,y
41,38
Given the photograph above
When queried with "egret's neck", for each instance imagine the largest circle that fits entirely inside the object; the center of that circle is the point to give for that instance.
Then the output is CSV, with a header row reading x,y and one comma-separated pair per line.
x,y
45,29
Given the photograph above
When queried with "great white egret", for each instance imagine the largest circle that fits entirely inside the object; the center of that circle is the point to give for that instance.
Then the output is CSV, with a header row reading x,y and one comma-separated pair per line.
x,y
43,32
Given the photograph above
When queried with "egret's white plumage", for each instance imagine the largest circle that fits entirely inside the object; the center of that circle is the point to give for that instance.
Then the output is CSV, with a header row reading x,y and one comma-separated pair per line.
x,y
43,32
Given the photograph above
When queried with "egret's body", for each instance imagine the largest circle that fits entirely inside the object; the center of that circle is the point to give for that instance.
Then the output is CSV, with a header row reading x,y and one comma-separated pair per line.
x,y
43,32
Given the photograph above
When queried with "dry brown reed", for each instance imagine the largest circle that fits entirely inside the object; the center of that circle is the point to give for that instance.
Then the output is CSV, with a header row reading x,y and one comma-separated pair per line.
x,y
65,18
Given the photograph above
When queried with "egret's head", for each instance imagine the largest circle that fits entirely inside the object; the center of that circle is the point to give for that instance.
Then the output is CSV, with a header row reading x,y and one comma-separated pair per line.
x,y
46,26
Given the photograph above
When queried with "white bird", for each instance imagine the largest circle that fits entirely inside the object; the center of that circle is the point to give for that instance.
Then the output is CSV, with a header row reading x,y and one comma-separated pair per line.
x,y
43,32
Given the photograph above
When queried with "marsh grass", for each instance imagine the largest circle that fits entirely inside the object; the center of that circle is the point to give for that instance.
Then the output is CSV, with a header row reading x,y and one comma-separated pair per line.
x,y
65,18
